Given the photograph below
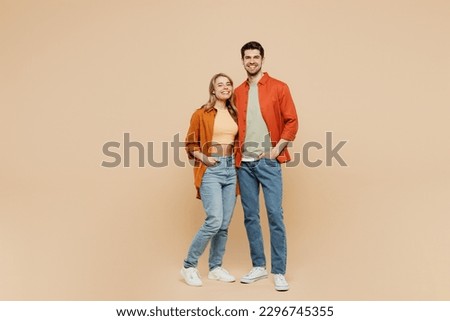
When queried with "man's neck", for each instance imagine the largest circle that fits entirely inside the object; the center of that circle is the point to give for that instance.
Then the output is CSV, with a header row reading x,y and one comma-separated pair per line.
x,y
255,78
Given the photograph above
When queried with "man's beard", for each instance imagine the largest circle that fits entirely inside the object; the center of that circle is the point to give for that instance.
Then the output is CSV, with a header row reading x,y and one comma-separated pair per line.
x,y
253,73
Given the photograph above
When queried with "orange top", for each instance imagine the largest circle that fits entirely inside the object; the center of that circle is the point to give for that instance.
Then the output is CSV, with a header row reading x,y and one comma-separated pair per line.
x,y
199,138
277,109
225,128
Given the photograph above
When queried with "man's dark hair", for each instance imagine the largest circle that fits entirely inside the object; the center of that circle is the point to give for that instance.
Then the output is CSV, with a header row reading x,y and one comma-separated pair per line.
x,y
252,45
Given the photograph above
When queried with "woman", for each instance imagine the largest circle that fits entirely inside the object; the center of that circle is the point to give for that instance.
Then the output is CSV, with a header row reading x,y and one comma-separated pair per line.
x,y
210,141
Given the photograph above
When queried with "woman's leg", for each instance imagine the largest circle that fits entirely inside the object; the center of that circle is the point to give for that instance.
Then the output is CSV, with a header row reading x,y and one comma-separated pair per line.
x,y
228,201
211,194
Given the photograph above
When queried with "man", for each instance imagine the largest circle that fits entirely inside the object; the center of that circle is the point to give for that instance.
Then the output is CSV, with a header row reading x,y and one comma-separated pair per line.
x,y
267,122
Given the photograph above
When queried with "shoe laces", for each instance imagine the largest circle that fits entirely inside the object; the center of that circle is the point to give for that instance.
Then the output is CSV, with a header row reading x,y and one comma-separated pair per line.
x,y
221,270
194,273
255,270
280,278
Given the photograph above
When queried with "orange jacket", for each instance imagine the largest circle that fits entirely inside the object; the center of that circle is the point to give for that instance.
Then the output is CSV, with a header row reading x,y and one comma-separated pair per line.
x,y
198,138
277,109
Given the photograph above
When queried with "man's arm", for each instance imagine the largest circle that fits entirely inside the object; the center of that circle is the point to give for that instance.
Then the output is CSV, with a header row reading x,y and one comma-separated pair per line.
x,y
289,114
290,119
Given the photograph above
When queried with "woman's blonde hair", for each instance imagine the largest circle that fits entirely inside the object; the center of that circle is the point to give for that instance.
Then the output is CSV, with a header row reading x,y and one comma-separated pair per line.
x,y
212,97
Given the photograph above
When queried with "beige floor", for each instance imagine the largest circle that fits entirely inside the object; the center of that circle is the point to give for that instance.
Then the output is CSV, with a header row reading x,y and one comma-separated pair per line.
x,y
77,75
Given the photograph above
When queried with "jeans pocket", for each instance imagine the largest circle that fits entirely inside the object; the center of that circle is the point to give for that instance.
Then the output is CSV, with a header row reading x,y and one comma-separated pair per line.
x,y
271,162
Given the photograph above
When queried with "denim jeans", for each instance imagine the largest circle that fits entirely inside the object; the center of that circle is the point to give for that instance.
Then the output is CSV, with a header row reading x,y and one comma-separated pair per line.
x,y
218,194
266,173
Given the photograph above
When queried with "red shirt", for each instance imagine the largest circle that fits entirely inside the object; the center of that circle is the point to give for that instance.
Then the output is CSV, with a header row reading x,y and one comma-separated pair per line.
x,y
277,109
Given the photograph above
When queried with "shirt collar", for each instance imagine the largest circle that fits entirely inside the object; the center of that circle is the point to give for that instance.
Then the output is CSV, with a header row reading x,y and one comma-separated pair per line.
x,y
211,109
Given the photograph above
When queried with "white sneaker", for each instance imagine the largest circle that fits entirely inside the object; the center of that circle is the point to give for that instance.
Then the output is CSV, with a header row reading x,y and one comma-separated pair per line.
x,y
191,276
255,274
280,282
220,274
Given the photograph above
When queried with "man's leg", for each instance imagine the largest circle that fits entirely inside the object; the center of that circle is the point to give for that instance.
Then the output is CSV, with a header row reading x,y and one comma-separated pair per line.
x,y
249,187
269,174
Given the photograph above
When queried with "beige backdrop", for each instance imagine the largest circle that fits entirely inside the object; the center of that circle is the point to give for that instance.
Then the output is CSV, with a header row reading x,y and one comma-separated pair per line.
x,y
77,74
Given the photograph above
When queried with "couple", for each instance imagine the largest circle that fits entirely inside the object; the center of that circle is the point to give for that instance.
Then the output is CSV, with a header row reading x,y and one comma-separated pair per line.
x,y
249,132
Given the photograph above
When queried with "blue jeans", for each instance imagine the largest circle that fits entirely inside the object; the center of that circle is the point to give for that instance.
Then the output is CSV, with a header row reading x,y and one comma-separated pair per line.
x,y
218,193
266,173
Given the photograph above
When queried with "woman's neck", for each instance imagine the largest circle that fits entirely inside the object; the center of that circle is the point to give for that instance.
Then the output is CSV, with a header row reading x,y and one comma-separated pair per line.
x,y
220,104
